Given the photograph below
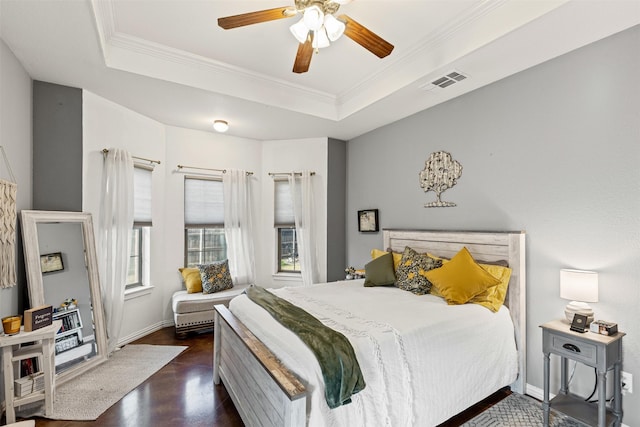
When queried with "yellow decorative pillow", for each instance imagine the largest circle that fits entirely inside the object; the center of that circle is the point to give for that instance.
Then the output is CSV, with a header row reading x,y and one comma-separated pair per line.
x,y
494,296
434,288
397,257
377,253
461,278
192,280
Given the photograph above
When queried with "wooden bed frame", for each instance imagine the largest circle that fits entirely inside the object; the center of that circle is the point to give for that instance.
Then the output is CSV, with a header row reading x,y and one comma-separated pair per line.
x,y
266,393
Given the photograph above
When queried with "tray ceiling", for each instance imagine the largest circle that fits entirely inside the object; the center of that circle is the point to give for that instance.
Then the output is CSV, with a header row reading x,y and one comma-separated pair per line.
x,y
168,59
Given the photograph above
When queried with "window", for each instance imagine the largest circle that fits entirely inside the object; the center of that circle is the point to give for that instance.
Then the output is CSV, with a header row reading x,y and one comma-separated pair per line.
x,y
287,260
288,250
204,245
141,225
204,238
134,272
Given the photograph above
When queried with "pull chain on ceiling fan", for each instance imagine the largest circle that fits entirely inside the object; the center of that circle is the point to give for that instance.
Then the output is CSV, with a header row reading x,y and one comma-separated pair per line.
x,y
316,30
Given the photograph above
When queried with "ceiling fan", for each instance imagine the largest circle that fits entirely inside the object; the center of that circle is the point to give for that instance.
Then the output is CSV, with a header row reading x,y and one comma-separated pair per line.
x,y
317,28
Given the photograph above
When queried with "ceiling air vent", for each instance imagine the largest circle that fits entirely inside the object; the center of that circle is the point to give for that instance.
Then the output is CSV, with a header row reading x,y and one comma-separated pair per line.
x,y
445,81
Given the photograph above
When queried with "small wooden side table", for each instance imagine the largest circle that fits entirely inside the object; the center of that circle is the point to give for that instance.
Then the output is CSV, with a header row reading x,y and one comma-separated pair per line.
x,y
26,345
598,351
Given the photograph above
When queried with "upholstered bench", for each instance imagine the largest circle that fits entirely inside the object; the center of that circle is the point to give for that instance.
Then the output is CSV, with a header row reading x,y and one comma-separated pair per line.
x,y
194,312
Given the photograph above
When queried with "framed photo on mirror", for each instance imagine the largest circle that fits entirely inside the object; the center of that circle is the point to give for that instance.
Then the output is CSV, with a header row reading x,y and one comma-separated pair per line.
x,y
51,262
368,221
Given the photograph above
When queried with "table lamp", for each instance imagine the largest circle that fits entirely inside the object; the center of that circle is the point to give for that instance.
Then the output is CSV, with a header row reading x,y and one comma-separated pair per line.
x,y
580,287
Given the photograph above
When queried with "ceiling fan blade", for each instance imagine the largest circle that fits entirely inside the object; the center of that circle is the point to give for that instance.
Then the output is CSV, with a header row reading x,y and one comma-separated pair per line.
x,y
366,38
303,57
257,17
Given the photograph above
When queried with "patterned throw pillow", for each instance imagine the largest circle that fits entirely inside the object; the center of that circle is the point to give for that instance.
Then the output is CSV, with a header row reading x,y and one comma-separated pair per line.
x,y
411,273
215,277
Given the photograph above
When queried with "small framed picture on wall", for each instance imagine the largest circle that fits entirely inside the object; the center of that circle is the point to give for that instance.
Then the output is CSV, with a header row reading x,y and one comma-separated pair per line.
x,y
368,220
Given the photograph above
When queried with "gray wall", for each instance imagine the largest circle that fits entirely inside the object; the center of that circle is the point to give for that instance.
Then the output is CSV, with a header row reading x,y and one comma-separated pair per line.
x,y
336,205
554,151
57,147
15,137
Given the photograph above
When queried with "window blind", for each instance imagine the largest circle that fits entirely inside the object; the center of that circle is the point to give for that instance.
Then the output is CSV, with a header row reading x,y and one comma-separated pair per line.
x,y
283,204
203,202
142,196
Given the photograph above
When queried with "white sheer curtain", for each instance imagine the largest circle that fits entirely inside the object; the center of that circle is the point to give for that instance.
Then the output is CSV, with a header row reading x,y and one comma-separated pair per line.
x,y
114,227
238,226
304,213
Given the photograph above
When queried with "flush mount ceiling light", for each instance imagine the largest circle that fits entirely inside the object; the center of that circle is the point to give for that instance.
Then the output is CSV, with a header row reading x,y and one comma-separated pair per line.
x,y
220,126
316,30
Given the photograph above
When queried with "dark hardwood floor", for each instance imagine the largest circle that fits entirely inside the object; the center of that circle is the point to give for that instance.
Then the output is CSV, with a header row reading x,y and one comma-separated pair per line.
x,y
182,393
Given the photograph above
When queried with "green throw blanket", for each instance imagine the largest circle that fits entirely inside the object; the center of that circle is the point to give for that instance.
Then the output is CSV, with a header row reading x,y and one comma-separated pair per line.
x,y
340,368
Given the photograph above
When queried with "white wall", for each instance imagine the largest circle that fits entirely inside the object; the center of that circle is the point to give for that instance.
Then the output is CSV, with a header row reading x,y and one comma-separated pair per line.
x,y
15,137
205,150
554,151
109,125
289,156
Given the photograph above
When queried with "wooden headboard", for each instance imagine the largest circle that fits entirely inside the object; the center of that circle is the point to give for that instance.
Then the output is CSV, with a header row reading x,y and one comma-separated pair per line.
x,y
486,246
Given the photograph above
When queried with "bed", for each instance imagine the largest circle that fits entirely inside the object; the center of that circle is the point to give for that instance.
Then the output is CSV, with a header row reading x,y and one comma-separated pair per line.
x,y
413,379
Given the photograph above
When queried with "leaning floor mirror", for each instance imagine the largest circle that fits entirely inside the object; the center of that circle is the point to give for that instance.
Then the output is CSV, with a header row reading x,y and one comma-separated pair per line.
x,y
62,271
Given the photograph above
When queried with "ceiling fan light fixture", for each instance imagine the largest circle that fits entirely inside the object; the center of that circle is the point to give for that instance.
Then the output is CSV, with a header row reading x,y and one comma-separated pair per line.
x,y
334,27
313,18
220,126
300,31
320,39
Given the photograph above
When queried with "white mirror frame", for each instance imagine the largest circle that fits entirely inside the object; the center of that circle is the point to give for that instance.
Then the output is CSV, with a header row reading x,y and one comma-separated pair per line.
x,y
30,220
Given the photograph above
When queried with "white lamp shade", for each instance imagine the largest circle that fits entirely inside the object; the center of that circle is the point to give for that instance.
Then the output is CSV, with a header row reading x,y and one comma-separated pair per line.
x,y
300,31
579,285
313,18
320,39
334,27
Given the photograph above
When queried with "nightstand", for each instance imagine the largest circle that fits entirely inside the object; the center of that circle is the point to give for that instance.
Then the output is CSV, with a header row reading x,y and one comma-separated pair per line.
x,y
598,351
27,345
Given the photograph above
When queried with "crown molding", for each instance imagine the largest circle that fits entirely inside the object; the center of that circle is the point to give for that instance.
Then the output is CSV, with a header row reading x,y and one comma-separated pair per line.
x,y
133,54
477,26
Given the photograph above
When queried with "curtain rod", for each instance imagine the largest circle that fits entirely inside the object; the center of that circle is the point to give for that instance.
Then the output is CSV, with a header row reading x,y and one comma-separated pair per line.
x,y
105,151
287,173
207,169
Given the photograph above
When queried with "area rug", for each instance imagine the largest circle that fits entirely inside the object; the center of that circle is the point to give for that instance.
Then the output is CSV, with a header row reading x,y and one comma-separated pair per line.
x,y
517,410
87,396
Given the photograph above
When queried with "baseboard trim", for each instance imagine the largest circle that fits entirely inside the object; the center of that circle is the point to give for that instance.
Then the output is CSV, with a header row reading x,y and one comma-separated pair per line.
x,y
144,332
536,392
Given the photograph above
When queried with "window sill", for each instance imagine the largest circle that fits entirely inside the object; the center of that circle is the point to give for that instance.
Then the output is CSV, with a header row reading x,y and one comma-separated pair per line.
x,y
287,277
138,291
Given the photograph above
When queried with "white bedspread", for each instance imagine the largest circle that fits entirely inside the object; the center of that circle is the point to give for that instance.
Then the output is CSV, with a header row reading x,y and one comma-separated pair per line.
x,y
423,361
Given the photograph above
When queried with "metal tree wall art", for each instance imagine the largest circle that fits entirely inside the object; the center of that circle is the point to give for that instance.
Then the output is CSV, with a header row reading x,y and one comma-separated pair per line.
x,y
440,173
